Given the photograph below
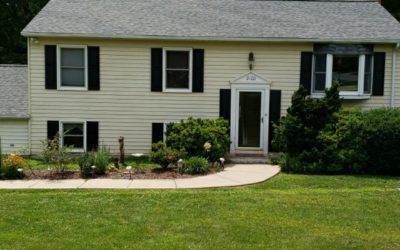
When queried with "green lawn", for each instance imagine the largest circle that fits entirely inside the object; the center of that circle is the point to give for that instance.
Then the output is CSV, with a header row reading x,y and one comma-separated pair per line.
x,y
287,212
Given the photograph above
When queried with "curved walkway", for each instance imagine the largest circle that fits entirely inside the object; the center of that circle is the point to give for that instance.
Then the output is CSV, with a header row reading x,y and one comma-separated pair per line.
x,y
233,175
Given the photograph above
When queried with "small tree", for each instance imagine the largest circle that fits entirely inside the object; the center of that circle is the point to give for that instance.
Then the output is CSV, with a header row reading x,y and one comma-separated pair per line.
x,y
54,154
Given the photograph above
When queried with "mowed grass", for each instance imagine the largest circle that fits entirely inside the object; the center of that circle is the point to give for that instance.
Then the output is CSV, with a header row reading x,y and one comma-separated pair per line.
x,y
287,212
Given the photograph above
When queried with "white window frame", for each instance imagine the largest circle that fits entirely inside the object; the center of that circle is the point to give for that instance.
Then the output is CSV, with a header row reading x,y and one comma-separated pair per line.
x,y
359,94
164,70
59,86
74,150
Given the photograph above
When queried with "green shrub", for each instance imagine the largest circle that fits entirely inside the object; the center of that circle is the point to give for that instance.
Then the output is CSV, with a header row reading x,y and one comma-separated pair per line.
x,y
1,157
208,138
160,154
298,133
381,134
343,143
100,159
195,165
55,155
85,162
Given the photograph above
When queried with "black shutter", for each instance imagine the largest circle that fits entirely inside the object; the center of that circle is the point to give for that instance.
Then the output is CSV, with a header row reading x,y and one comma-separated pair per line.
x,y
379,74
274,115
157,132
92,136
50,61
306,70
198,70
156,69
52,129
225,104
94,68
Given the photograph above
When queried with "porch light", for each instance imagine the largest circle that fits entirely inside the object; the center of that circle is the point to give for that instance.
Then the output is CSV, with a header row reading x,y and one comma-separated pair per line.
x,y
251,61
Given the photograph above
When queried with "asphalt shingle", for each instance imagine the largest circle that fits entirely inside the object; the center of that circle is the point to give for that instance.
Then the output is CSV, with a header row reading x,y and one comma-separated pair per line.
x,y
13,91
359,21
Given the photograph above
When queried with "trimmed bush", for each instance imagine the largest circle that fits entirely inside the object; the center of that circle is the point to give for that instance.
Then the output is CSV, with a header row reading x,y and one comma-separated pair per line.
x,y
381,136
207,138
298,133
195,165
160,154
347,141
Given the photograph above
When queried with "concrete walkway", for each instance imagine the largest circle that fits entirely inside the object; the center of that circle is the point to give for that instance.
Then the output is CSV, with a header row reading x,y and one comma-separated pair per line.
x,y
233,175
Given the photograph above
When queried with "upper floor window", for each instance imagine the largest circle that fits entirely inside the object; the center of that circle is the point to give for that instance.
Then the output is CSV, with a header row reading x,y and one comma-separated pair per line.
x,y
72,67
177,68
353,73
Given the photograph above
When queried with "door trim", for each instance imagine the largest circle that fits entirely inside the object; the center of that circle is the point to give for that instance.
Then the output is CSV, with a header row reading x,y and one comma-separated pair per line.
x,y
235,90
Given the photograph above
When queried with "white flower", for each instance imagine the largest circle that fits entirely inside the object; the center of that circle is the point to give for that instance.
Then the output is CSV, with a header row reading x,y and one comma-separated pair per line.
x,y
129,167
20,170
93,167
207,146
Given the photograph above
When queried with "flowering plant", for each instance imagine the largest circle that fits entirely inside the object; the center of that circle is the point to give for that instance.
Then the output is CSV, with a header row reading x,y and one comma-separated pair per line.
x,y
13,165
207,146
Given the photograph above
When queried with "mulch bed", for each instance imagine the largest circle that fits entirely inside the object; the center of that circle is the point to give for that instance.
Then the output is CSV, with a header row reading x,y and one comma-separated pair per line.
x,y
156,173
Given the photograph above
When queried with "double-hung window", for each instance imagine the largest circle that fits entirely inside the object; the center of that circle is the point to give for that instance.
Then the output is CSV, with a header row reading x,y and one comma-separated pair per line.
x,y
73,134
72,67
177,70
352,71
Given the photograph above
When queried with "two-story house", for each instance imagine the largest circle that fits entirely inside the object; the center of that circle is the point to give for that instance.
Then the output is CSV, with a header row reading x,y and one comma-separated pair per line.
x,y
98,70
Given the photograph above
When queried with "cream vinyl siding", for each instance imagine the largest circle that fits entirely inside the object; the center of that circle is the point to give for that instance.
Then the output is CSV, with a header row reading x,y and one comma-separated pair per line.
x,y
125,105
14,136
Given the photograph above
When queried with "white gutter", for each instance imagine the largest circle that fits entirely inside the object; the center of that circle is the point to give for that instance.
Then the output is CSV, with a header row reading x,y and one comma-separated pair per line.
x,y
203,38
394,67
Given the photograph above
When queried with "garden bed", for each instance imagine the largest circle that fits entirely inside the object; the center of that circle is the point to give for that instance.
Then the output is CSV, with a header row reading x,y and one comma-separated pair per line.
x,y
140,173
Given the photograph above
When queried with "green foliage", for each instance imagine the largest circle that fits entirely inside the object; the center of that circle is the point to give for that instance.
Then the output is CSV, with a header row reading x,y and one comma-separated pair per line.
x,y
393,7
14,16
200,137
100,159
85,162
297,133
1,157
381,136
53,154
163,155
11,166
195,165
357,142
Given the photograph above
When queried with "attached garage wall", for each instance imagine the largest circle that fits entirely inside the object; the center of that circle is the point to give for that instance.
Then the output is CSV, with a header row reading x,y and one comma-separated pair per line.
x,y
14,136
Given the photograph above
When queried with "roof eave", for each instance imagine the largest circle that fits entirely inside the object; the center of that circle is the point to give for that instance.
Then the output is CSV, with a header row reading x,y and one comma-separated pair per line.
x,y
204,38
14,118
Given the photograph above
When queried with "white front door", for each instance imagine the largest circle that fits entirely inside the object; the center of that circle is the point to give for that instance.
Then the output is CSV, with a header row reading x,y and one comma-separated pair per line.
x,y
249,114
249,119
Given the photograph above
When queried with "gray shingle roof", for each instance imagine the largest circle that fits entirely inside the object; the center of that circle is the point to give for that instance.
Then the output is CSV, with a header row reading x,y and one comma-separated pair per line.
x,y
358,21
13,91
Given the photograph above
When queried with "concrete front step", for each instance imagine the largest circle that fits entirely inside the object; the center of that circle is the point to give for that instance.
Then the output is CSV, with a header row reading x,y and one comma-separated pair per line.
x,y
249,160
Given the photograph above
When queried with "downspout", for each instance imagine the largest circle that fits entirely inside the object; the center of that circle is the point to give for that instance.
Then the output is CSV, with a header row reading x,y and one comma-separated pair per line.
x,y
394,65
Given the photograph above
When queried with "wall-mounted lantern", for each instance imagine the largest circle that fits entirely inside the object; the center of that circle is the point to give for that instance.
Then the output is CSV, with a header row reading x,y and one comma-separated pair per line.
x,y
251,61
